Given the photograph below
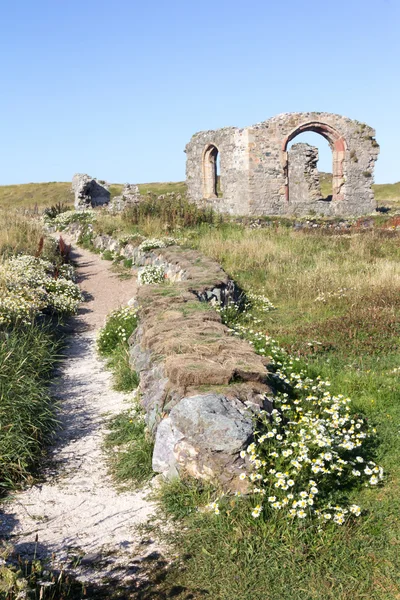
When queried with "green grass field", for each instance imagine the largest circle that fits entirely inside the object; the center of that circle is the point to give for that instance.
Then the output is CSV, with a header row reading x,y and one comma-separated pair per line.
x,y
45,194
29,195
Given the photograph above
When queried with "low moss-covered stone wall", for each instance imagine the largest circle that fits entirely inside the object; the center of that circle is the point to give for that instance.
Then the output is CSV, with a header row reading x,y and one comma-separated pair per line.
x,y
199,385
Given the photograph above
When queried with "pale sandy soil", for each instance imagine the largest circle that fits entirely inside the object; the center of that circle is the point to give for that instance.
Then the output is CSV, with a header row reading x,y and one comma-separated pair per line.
x,y
76,509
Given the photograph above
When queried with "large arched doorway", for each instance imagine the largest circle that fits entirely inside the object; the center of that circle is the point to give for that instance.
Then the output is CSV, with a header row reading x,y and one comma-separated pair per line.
x,y
210,172
338,146
309,168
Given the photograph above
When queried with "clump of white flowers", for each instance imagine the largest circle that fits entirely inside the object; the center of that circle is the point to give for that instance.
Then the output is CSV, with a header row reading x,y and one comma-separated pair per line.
x,y
213,507
119,326
260,301
309,448
31,285
150,275
64,219
239,312
152,243
67,271
325,296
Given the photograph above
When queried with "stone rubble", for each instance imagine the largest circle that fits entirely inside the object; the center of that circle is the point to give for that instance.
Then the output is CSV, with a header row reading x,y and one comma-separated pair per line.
x,y
130,196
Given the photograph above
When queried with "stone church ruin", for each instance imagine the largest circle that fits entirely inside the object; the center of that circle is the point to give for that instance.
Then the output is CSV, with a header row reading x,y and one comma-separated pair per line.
x,y
259,175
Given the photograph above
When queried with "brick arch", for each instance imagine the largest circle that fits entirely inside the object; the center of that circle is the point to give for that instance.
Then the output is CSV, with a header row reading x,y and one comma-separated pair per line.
x,y
338,146
209,168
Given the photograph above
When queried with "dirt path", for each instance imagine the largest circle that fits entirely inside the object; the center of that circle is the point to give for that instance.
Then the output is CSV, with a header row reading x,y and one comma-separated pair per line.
x,y
76,510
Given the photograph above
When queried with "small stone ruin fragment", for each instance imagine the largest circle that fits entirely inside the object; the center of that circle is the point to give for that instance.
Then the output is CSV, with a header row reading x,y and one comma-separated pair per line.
x,y
89,192
129,197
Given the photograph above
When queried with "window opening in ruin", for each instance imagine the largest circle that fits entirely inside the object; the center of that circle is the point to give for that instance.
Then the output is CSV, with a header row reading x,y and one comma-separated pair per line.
x,y
310,159
211,179
218,176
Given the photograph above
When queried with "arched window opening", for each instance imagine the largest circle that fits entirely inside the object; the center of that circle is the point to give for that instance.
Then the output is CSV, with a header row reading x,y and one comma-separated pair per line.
x,y
309,174
309,168
211,178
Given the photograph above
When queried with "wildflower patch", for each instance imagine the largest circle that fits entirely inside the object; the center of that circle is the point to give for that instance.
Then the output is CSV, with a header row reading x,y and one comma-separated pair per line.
x,y
151,274
31,285
310,451
119,326
62,220
152,243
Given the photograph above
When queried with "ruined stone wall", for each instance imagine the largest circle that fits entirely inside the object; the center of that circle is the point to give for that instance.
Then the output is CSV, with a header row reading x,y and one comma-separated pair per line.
x,y
304,183
89,192
232,147
256,172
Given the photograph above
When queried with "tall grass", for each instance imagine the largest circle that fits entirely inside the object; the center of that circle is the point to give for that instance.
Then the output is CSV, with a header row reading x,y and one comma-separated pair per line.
x,y
294,268
130,448
29,195
28,355
18,233
170,212
27,358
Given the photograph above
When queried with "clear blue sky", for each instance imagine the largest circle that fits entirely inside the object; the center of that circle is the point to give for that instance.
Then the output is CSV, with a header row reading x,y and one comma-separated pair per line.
x,y
116,88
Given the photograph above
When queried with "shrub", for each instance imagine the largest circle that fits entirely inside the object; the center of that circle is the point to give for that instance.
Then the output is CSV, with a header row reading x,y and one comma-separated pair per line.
x,y
51,212
113,343
31,285
107,255
172,211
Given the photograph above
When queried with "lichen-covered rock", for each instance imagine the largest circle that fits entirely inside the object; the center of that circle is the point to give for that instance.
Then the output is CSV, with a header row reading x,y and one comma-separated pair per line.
x,y
203,436
89,192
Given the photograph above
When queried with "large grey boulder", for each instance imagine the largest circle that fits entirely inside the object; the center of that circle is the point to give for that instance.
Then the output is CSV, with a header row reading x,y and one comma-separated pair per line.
x,y
89,192
203,436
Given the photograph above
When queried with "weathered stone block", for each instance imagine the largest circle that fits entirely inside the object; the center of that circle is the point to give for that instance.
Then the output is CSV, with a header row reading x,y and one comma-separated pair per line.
x,y
203,436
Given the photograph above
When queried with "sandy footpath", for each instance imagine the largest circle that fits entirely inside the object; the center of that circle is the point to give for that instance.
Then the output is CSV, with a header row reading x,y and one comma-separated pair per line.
x,y
76,508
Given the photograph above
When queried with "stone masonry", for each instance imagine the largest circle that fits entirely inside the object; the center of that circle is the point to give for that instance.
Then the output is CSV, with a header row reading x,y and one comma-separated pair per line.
x,y
130,196
255,177
305,187
89,192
